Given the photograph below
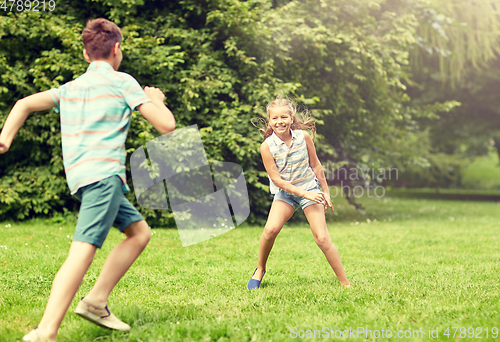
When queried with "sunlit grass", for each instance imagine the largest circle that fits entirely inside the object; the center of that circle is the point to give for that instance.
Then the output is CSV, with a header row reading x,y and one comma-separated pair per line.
x,y
415,264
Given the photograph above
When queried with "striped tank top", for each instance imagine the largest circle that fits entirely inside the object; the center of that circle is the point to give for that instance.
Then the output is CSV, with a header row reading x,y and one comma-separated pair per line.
x,y
292,162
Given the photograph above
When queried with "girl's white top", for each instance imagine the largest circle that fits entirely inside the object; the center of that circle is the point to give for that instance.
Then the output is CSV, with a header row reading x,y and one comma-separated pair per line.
x,y
292,162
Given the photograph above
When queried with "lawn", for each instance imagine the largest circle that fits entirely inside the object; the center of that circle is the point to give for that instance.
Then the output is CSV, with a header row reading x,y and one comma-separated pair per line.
x,y
418,264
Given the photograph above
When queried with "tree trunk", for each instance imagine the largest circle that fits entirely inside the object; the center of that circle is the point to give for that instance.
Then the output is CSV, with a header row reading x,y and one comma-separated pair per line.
x,y
497,146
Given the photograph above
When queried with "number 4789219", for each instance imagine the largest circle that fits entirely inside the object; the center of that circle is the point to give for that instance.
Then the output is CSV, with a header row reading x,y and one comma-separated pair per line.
x,y
28,5
479,332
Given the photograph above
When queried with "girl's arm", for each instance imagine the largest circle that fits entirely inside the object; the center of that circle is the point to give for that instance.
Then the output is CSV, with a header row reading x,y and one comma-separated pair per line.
x,y
275,176
315,164
19,114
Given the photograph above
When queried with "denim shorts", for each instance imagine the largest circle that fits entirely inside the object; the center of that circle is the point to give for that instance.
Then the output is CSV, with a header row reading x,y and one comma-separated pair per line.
x,y
294,200
103,205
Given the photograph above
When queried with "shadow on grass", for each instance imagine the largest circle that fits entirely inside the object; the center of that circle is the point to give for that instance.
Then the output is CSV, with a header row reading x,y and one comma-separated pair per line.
x,y
297,281
444,196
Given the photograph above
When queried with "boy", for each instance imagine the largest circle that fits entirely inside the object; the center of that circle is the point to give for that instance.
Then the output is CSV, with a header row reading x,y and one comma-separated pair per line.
x,y
95,117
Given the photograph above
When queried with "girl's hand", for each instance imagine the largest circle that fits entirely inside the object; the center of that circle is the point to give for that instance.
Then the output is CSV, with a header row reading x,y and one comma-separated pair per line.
x,y
328,203
315,196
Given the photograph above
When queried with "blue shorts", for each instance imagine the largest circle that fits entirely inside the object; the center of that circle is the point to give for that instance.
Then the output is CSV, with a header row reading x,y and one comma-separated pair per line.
x,y
103,205
294,200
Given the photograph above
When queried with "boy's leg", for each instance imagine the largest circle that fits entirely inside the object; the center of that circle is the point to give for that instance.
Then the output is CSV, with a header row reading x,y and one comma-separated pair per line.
x,y
315,215
119,261
64,288
129,221
98,210
278,215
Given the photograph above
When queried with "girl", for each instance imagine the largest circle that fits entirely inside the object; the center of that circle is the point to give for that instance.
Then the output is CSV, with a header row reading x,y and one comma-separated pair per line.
x,y
293,167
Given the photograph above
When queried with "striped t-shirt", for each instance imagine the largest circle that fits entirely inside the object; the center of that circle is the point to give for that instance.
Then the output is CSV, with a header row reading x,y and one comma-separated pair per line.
x,y
95,111
292,162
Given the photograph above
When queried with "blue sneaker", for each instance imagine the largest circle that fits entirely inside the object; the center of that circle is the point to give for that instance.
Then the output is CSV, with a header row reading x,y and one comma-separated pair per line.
x,y
254,283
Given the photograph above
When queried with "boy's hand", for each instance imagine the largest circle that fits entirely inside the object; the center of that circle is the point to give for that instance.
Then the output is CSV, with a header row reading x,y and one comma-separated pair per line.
x,y
3,148
155,94
156,112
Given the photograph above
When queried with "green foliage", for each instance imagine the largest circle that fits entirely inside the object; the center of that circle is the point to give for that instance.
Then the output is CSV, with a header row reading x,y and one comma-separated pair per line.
x,y
457,59
219,63
353,58
456,36
187,49
35,55
483,172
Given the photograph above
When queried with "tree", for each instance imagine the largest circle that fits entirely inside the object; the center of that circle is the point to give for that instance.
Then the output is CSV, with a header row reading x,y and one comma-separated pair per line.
x,y
458,60
188,49
219,63
352,58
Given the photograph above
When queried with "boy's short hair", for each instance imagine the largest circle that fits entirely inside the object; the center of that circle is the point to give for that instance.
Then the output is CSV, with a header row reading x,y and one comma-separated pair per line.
x,y
99,37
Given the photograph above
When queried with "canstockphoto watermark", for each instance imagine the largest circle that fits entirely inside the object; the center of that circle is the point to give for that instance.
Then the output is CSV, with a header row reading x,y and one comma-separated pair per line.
x,y
176,164
370,333
357,332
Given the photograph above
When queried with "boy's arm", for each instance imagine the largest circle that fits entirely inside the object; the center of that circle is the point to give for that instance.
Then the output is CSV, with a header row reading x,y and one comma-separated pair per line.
x,y
156,112
19,114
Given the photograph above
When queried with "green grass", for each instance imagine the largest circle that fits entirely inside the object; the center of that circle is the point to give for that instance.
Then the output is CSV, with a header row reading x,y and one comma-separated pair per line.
x,y
417,263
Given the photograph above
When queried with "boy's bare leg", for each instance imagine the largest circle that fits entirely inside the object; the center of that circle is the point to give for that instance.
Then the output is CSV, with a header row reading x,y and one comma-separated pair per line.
x,y
315,215
64,287
278,215
119,261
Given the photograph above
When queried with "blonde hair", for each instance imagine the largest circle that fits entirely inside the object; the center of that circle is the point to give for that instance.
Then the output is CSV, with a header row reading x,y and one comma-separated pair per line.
x,y
301,120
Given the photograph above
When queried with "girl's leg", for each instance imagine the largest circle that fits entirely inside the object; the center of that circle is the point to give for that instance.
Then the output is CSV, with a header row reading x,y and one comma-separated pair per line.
x,y
316,217
280,213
